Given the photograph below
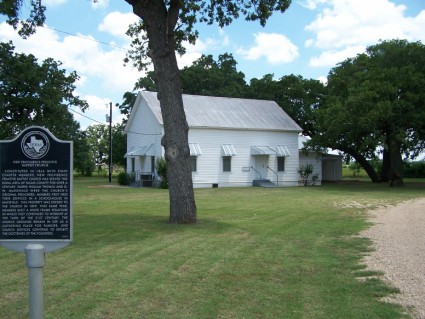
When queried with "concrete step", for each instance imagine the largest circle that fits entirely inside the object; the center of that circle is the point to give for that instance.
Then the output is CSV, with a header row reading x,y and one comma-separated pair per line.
x,y
263,183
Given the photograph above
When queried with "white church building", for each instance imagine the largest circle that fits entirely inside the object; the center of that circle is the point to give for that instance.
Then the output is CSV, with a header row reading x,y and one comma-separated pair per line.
x,y
233,142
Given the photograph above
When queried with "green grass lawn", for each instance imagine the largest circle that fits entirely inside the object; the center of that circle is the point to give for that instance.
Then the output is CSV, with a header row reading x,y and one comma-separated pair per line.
x,y
255,253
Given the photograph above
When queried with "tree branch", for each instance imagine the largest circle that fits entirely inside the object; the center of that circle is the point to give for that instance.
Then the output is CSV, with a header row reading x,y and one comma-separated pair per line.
x,y
138,6
173,15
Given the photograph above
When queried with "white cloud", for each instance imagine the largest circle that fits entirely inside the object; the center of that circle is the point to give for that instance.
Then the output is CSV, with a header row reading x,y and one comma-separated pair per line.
x,y
35,44
276,48
116,23
225,41
343,26
312,4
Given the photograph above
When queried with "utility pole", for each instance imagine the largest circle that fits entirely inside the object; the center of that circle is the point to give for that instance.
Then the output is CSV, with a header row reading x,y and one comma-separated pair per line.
x,y
109,118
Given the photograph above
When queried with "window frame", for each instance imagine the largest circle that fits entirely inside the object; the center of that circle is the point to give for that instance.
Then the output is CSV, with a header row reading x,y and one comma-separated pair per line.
x,y
227,164
193,164
133,164
281,163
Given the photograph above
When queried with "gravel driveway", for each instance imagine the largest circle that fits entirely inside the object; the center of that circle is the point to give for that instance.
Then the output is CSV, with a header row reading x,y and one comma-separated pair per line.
x,y
398,235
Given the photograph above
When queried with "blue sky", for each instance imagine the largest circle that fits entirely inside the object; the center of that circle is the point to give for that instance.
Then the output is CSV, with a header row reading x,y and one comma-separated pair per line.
x,y
310,38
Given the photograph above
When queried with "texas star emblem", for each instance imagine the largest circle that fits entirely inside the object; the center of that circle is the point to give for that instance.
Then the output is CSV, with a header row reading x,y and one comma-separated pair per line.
x,y
35,144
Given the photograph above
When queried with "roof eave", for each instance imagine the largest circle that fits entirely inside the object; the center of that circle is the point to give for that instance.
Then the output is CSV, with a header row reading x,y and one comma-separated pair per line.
x,y
245,129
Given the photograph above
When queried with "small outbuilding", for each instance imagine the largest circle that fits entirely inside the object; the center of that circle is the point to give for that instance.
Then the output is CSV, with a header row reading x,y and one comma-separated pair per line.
x,y
328,167
233,142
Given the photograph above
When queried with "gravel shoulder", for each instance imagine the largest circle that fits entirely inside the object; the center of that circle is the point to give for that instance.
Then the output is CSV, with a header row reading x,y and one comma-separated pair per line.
x,y
398,234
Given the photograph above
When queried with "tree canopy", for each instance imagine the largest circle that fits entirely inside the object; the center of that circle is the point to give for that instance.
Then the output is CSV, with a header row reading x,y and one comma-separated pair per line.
x,y
299,97
214,78
375,101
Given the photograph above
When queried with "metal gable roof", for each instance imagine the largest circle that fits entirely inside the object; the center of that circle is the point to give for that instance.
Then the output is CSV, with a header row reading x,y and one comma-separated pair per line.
x,y
228,113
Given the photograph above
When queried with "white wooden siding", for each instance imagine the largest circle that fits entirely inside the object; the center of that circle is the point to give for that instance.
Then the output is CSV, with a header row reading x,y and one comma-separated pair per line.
x,y
210,163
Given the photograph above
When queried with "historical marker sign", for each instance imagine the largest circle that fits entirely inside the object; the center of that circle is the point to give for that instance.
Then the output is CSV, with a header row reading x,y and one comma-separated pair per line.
x,y
36,190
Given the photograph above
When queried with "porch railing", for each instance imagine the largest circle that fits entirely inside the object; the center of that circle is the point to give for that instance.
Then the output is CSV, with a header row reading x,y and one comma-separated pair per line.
x,y
256,171
277,176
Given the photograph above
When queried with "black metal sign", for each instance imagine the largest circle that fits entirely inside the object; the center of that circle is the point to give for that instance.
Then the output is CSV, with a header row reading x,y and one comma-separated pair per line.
x,y
36,188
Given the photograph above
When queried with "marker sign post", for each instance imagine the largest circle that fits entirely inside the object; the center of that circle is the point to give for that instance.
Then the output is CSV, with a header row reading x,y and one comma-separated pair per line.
x,y
35,201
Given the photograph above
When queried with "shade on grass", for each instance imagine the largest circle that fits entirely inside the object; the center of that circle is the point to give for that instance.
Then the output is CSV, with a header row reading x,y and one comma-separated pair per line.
x,y
255,253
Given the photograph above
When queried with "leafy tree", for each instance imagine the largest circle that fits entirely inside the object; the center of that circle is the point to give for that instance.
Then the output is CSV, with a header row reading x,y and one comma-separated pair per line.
x,y
265,88
97,137
342,120
376,100
214,78
300,98
163,27
98,140
119,145
83,160
297,96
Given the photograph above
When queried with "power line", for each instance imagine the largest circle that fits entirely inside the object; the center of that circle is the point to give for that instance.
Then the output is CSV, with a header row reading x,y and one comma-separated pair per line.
x,y
83,115
87,38
145,134
97,41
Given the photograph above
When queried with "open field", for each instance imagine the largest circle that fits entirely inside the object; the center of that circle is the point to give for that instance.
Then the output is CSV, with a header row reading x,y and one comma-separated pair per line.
x,y
255,253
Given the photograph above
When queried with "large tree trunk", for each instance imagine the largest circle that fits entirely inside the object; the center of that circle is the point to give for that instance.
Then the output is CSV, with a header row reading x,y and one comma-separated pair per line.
x,y
396,162
175,142
160,24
